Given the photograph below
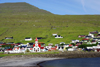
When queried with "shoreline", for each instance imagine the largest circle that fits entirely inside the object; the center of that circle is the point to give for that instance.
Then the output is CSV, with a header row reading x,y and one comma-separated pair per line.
x,y
35,60
38,64
24,62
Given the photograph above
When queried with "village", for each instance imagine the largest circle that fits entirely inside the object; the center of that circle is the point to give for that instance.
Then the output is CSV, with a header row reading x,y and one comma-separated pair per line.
x,y
90,42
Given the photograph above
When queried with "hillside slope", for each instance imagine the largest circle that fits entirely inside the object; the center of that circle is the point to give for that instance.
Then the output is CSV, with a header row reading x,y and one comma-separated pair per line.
x,y
30,24
21,8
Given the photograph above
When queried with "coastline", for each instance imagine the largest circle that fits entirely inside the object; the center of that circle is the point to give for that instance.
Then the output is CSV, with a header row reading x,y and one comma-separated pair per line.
x,y
24,62
35,60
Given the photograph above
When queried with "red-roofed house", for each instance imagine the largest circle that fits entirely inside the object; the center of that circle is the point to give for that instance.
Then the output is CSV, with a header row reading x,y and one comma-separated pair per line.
x,y
8,50
70,45
16,49
42,47
78,43
53,48
85,40
81,36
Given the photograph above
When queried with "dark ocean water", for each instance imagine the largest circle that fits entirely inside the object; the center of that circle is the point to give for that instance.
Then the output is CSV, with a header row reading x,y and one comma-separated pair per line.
x,y
78,62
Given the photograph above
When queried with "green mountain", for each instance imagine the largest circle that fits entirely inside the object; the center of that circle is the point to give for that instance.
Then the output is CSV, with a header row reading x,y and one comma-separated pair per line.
x,y
21,8
22,20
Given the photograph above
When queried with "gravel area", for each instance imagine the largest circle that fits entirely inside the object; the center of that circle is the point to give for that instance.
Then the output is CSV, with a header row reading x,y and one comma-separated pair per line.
x,y
21,62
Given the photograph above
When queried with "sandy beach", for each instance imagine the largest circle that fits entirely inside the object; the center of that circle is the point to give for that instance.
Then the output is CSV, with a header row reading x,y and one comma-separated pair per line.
x,y
13,62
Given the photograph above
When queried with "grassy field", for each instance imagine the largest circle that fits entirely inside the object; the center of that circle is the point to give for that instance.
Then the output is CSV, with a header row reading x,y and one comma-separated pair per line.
x,y
28,53
44,24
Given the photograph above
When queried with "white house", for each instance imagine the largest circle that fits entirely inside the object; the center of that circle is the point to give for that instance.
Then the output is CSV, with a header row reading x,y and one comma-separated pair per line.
x,y
62,42
98,42
54,34
28,39
74,41
36,46
8,37
94,42
50,44
89,47
43,49
91,35
98,39
26,45
60,48
89,42
58,36
71,49
15,50
48,47
66,45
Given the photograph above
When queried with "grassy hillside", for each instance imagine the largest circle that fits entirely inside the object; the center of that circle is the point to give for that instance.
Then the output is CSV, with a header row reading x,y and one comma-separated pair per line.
x,y
21,8
21,24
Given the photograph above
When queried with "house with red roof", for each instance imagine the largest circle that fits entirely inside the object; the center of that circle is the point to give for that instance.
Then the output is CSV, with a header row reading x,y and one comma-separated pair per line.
x,y
85,40
94,32
52,48
48,47
78,43
81,36
16,49
43,49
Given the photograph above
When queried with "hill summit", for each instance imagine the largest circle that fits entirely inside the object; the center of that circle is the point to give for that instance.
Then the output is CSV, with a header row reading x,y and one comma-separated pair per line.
x,y
21,7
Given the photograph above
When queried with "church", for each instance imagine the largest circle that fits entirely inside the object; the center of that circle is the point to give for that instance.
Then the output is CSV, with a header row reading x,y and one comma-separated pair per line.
x,y
36,46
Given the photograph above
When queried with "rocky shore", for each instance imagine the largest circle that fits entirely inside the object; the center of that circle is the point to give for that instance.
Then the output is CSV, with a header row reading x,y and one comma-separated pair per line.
x,y
74,54
32,60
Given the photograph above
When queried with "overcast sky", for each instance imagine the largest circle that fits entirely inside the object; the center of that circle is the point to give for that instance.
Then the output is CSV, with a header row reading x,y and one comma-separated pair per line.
x,y
63,7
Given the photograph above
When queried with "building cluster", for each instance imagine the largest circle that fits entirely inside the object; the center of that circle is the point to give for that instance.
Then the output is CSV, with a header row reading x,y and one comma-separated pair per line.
x,y
91,41
30,47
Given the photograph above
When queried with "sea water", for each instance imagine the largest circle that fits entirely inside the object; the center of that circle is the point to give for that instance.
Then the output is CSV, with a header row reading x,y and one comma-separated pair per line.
x,y
75,62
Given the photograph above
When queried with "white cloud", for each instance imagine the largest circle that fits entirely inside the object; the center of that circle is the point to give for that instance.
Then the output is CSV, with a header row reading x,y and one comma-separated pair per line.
x,y
93,5
83,4
90,6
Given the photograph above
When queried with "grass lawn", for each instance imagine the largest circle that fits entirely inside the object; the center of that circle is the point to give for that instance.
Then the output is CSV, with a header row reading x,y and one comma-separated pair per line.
x,y
28,53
